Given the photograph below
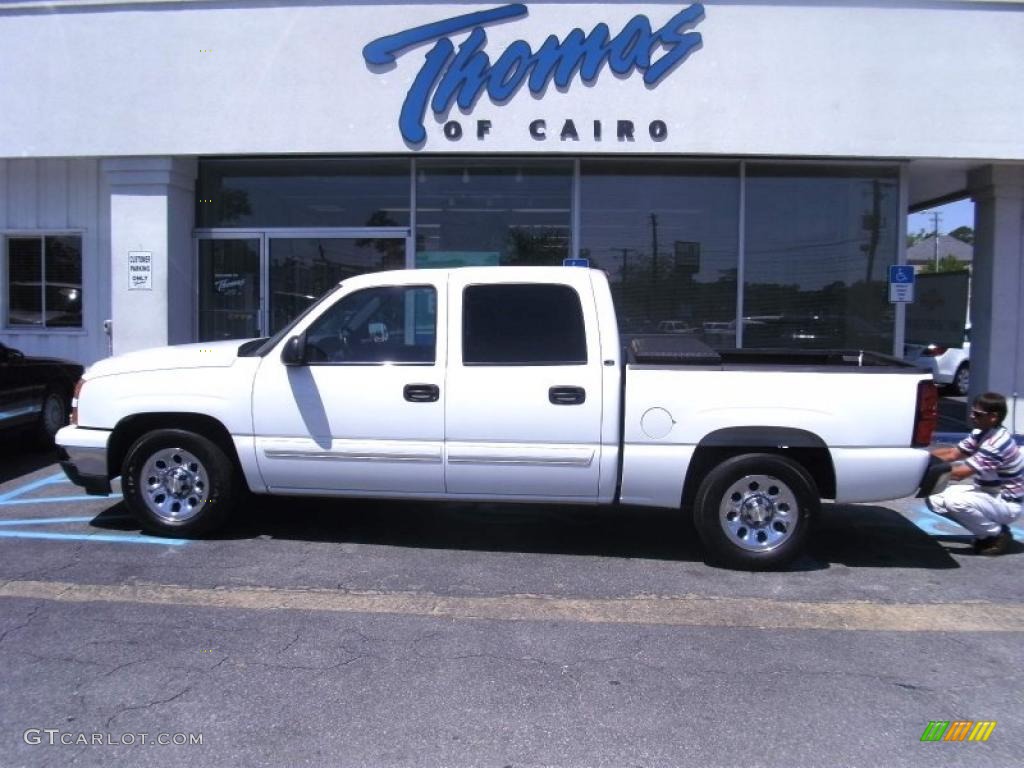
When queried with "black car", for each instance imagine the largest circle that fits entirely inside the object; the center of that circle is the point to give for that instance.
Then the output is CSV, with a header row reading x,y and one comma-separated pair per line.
x,y
35,393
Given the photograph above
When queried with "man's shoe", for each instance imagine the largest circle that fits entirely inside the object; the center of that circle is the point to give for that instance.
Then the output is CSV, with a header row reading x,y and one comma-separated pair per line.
x,y
994,545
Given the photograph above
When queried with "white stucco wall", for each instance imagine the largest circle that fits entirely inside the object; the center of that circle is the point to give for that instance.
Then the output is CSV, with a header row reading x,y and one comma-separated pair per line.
x,y
846,79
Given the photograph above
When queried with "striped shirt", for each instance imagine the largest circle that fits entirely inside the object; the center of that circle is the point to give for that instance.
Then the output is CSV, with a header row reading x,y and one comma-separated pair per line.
x,y
997,462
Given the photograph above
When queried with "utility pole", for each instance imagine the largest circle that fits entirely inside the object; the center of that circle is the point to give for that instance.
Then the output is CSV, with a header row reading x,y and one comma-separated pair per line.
x,y
625,254
936,217
654,261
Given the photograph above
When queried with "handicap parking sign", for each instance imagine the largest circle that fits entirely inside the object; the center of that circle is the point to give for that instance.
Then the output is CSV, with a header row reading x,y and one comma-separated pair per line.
x,y
901,284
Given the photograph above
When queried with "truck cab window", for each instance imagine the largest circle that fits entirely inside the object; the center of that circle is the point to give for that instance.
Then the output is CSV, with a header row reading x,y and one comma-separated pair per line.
x,y
522,324
394,324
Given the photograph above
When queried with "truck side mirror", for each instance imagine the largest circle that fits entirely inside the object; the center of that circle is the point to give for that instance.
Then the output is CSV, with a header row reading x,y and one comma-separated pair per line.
x,y
294,352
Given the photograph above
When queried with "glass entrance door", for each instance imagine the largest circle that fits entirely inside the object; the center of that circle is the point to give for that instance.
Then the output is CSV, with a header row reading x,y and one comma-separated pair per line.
x,y
304,267
230,297
254,283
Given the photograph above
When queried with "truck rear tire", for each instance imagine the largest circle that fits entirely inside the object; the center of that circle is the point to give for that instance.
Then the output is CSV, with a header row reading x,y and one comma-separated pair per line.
x,y
178,483
754,511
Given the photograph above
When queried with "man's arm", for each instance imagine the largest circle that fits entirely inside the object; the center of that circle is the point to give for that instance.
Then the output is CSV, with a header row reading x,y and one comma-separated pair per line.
x,y
949,453
961,469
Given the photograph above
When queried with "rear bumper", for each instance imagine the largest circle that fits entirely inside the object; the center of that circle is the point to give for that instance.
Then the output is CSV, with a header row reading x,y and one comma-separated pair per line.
x,y
85,458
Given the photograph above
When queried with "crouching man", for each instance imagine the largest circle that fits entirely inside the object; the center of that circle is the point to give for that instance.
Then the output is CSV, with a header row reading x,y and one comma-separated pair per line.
x,y
989,453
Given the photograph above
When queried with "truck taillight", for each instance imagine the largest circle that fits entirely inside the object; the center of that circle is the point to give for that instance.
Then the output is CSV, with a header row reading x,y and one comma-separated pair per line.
x,y
927,417
74,402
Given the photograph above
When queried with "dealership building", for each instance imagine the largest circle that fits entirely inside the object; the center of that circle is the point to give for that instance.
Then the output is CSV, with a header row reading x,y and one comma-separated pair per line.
x,y
180,170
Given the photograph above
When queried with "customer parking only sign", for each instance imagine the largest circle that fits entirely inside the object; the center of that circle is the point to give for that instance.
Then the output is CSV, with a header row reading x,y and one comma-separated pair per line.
x,y
901,284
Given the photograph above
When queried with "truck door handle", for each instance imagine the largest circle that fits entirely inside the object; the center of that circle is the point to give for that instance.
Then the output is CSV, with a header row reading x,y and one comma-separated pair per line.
x,y
422,393
567,395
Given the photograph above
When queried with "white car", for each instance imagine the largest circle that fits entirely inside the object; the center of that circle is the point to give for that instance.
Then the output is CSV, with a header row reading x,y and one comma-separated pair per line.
x,y
950,366
675,326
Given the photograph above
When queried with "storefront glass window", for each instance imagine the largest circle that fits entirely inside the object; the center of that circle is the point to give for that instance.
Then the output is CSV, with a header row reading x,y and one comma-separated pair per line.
x,y
494,212
303,192
666,233
304,268
819,242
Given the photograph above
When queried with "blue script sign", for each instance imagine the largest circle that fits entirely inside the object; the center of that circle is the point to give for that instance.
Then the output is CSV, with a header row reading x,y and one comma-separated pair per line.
x,y
449,75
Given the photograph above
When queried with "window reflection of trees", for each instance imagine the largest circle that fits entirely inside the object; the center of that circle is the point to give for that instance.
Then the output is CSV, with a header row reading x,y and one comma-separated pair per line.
x,y
819,244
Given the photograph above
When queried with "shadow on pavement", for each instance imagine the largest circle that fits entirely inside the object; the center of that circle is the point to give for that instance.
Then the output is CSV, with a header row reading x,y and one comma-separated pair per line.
x,y
851,535
18,457
863,536
572,530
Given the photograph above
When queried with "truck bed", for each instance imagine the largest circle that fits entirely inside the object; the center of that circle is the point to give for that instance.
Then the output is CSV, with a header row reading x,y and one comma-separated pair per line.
x,y
675,350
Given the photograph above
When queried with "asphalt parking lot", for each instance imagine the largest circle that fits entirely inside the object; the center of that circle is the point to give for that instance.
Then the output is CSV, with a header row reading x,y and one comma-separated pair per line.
x,y
362,633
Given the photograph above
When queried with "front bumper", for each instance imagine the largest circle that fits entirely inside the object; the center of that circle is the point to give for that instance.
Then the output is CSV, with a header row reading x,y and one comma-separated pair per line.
x,y
85,458
936,477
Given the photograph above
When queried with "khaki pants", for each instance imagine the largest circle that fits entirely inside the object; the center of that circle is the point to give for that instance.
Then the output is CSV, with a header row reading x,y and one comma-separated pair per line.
x,y
979,512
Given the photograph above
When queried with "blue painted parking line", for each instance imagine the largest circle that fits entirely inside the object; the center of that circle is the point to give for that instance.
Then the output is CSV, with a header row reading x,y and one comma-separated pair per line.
x,y
10,499
105,537
58,520
52,499
937,525
47,520
60,477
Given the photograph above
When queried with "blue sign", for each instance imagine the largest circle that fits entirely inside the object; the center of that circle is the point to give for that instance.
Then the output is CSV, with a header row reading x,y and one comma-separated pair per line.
x,y
576,263
901,274
901,284
449,76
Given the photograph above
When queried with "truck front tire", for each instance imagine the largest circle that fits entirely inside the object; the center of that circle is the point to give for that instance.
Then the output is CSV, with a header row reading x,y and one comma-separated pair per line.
x,y
754,511
178,483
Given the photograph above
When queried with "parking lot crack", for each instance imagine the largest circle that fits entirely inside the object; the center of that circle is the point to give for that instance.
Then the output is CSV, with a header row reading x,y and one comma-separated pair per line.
x,y
291,642
119,667
149,705
31,615
313,668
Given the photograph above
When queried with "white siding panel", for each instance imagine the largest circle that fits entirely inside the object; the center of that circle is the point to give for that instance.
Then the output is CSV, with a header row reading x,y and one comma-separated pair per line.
x,y
4,198
22,182
65,345
53,194
103,347
58,195
83,191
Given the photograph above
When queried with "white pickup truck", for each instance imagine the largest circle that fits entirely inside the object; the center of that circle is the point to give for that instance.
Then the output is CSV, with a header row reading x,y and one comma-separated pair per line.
x,y
502,384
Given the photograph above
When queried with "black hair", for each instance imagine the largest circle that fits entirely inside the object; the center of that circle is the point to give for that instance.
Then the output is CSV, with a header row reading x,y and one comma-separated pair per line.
x,y
991,402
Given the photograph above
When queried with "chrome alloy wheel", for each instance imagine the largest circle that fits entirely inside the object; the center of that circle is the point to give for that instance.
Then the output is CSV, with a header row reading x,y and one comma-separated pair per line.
x,y
759,512
174,485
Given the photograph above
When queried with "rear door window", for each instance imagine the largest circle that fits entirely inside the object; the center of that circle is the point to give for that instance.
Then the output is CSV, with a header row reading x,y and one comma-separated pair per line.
x,y
522,324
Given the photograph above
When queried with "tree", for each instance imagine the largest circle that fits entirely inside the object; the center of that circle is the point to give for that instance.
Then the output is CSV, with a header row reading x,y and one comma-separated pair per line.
x,y
948,263
964,234
913,238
